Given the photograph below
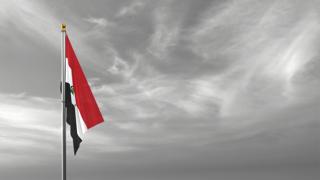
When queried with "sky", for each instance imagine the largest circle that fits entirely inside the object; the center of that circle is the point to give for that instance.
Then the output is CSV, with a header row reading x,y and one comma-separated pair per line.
x,y
192,90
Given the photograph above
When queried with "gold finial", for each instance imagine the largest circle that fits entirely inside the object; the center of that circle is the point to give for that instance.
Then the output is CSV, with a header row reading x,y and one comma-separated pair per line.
x,y
63,27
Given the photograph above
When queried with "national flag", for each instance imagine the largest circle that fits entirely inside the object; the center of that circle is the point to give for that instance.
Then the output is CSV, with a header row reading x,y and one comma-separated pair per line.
x,y
82,111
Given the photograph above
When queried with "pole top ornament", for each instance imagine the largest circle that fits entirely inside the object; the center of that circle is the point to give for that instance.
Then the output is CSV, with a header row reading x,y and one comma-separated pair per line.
x,y
63,27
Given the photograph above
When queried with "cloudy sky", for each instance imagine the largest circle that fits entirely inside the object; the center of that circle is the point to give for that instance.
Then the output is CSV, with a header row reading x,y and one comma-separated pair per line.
x,y
189,89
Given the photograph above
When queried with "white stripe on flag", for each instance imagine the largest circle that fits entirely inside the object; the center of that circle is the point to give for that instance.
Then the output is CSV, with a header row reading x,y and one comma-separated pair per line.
x,y
69,80
81,126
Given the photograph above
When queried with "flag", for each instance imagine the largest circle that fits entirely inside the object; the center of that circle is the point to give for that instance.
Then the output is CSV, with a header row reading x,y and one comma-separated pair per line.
x,y
82,111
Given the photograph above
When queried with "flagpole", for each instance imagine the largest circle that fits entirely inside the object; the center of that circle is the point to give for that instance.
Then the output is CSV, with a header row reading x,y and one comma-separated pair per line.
x,y
63,80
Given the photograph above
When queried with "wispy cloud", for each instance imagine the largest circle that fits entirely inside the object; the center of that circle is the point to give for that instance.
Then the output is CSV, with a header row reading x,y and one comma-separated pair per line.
x,y
262,64
32,18
130,9
100,22
165,34
28,122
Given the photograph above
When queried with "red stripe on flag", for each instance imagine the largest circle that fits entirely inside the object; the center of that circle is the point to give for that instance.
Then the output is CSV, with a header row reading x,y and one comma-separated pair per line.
x,y
85,100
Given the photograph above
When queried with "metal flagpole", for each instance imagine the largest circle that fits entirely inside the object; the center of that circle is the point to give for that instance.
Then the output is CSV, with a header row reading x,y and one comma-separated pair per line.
x,y
63,80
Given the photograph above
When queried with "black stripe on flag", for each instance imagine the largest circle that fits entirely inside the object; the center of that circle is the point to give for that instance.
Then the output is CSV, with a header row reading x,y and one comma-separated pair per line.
x,y
71,118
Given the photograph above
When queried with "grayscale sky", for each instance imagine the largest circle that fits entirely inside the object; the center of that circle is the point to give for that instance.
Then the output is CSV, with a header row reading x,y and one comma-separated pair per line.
x,y
189,89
